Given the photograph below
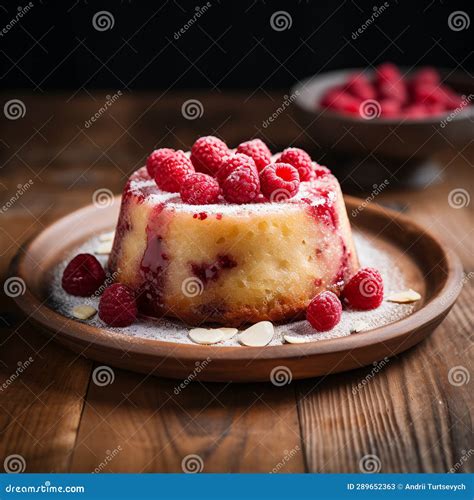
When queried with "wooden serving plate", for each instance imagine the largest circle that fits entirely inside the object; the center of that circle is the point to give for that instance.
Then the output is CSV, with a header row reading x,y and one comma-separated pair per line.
x,y
429,266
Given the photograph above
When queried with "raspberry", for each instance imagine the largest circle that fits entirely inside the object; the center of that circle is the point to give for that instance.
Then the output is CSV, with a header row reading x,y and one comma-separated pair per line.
x,y
364,290
279,181
199,189
117,306
233,162
324,311
172,171
359,86
155,159
207,154
394,91
387,72
426,75
300,160
83,276
389,108
257,150
320,171
242,185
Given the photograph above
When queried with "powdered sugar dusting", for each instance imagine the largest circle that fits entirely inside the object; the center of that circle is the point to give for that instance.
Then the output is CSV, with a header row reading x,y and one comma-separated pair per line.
x,y
174,331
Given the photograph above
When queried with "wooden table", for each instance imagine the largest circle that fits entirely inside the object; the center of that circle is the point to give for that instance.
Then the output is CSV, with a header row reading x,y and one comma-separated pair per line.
x,y
409,416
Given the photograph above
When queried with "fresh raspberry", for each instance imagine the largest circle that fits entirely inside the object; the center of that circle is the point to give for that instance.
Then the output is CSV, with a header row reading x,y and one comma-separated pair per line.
x,y
394,91
300,160
117,306
279,181
364,290
320,171
257,150
233,162
426,75
242,185
387,72
207,154
324,311
415,111
199,189
172,171
389,108
342,101
83,276
359,86
155,159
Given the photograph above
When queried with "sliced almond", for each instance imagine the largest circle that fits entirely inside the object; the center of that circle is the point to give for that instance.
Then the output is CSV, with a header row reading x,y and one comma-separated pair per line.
x,y
104,248
107,236
404,297
292,339
206,336
257,335
83,311
359,326
228,332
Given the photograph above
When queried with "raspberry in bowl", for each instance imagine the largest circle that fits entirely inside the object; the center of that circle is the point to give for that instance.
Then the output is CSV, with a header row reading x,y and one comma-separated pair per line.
x,y
375,122
224,248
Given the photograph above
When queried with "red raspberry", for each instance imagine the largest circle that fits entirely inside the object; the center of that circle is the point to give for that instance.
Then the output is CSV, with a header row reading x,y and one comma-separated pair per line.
x,y
279,181
117,306
207,154
242,185
172,171
426,75
320,171
257,150
83,276
233,162
200,189
364,290
359,86
389,108
300,160
387,72
155,159
324,311
394,91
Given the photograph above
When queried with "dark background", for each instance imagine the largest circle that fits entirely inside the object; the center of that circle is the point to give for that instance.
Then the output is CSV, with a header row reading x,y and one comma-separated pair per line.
x,y
231,46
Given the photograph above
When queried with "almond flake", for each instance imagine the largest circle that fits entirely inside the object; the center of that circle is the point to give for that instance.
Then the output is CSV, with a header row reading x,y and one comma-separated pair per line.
x,y
257,335
294,339
83,312
206,336
107,236
104,248
404,297
228,332
359,326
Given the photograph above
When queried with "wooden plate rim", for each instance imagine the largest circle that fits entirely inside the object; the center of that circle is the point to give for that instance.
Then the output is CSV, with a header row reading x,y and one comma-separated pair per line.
x,y
430,312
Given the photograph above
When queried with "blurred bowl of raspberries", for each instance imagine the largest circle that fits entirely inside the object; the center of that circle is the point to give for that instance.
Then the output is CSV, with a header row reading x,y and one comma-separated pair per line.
x,y
369,122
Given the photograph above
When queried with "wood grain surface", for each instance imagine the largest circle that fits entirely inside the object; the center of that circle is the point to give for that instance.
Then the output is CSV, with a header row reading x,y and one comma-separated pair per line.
x,y
413,415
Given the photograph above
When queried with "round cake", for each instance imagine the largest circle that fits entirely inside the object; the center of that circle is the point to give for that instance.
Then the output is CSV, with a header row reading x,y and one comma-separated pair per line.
x,y
229,263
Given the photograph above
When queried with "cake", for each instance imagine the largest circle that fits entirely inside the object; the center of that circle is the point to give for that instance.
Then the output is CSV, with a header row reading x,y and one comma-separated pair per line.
x,y
232,263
